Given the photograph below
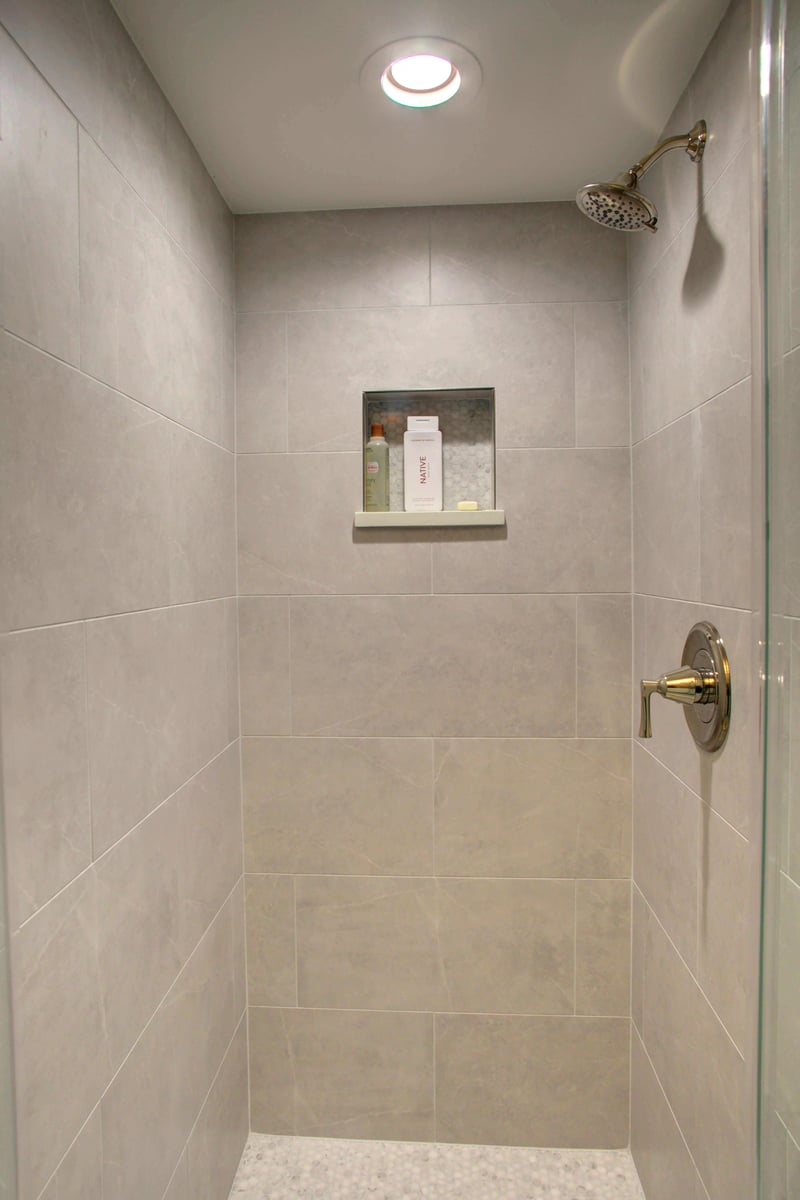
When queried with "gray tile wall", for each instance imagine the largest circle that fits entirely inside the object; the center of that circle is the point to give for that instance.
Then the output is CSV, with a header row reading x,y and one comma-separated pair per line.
x,y
119,684
436,768
696,822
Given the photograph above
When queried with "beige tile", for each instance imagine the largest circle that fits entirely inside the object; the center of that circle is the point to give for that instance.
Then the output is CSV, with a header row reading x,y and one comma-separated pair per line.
x,y
526,352
513,253
366,258
202,555
208,813
527,808
178,1186
438,679
667,472
94,540
217,1140
39,238
296,532
727,966
262,413
724,780
80,1173
602,388
568,527
139,926
662,1159
63,1059
156,1097
158,708
342,1074
151,325
666,850
726,498
271,965
369,944
639,927
45,764
690,319
603,947
508,945
604,666
706,1080
265,665
792,1167
81,47
721,89
773,1145
787,1015
332,806
231,611
532,1081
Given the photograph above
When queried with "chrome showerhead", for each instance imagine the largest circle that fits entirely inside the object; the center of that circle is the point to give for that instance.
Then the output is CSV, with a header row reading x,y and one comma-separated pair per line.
x,y
620,205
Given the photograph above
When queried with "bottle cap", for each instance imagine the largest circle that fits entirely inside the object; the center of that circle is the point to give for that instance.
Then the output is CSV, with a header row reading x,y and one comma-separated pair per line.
x,y
423,423
467,505
376,431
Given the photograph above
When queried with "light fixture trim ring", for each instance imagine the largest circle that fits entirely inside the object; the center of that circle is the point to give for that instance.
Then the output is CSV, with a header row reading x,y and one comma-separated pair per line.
x,y
463,61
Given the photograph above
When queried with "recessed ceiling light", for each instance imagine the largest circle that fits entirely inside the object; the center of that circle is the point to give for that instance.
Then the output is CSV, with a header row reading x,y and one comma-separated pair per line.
x,y
421,80
422,72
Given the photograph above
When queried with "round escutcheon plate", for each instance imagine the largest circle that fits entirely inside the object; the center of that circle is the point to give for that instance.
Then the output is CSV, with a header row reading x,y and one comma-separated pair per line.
x,y
709,722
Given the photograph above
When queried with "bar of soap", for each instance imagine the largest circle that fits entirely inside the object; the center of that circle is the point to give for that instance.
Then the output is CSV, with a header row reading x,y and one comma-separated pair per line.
x,y
467,505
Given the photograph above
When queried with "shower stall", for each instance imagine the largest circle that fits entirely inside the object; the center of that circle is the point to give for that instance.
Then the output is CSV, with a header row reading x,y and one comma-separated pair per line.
x,y
342,840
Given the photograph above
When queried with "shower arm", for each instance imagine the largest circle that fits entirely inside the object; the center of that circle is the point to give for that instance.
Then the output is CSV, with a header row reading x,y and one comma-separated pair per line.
x,y
693,143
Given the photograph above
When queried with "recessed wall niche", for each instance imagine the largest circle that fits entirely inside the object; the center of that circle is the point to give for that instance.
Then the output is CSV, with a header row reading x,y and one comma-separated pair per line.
x,y
466,420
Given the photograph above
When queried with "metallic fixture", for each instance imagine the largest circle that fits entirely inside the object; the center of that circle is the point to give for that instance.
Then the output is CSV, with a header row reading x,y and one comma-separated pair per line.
x,y
620,204
703,684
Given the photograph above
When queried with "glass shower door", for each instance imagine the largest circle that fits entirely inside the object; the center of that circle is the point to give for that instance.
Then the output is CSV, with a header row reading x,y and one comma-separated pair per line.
x,y
779,1168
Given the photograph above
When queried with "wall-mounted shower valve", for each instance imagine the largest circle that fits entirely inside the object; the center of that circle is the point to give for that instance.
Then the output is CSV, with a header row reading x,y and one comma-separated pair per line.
x,y
703,684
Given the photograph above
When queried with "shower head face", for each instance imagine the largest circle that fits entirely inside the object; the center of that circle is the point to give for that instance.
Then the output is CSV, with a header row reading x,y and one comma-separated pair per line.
x,y
617,207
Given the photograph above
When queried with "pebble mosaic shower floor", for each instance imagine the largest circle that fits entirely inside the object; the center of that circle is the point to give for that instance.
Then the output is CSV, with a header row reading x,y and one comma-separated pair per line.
x,y
288,1168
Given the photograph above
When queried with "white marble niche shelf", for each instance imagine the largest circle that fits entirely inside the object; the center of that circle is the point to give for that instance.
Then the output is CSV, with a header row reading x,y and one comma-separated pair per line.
x,y
466,419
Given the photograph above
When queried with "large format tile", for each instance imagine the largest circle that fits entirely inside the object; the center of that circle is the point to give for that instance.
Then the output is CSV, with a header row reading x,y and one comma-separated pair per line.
x,y
516,253
604,666
80,1173
541,808
342,1074
522,1081
525,352
63,1058
202,553
508,945
216,1142
727,967
271,960
437,677
39,231
296,531
602,387
151,325
666,850
367,257
725,780
787,1015
335,806
726,498
369,944
667,473
47,813
86,474
602,947
568,514
157,1095
158,708
690,319
262,414
81,47
662,1159
265,664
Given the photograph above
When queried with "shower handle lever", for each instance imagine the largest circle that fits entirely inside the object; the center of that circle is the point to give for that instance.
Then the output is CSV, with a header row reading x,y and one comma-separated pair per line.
x,y
687,685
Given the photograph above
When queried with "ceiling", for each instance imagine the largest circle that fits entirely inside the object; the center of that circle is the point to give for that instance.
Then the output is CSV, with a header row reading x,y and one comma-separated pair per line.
x,y
269,91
